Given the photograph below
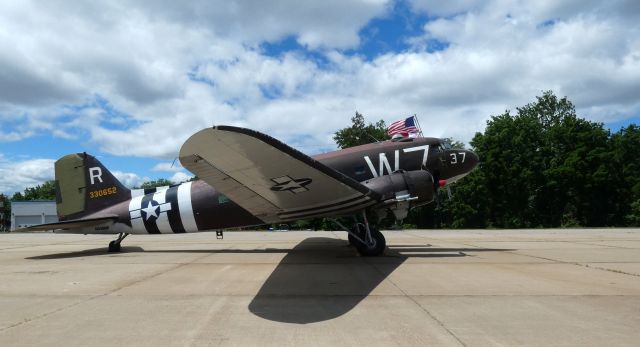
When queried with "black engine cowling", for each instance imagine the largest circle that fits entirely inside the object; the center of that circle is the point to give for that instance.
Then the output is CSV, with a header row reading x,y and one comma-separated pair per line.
x,y
403,190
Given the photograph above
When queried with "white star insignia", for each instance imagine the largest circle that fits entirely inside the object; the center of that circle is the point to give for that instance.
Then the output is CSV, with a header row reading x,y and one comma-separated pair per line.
x,y
150,210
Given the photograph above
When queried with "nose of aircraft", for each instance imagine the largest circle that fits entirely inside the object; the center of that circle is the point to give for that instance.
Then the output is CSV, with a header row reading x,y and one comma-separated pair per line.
x,y
472,159
459,164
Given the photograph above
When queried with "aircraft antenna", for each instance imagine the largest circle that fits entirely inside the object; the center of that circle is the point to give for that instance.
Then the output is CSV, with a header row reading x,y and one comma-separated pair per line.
x,y
371,136
174,161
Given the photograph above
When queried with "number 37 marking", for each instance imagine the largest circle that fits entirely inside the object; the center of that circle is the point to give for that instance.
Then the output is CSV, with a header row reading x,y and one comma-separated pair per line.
x,y
454,157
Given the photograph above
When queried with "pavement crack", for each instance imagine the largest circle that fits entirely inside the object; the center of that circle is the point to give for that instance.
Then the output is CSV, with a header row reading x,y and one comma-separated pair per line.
x,y
611,270
46,314
424,309
573,263
93,297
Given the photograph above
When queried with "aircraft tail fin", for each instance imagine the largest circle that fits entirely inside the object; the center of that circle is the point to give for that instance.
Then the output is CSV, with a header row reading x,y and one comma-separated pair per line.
x,y
84,186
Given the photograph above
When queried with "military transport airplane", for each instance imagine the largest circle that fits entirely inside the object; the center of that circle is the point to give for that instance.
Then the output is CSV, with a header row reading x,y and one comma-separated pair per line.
x,y
248,178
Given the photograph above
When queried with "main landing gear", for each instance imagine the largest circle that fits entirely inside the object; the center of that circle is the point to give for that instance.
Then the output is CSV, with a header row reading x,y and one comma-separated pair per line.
x,y
114,246
367,239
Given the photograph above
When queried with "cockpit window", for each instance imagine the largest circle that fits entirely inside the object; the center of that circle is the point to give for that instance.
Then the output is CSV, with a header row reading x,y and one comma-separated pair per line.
x,y
444,145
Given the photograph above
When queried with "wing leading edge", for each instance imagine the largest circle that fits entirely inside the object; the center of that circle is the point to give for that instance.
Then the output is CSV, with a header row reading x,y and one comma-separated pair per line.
x,y
270,179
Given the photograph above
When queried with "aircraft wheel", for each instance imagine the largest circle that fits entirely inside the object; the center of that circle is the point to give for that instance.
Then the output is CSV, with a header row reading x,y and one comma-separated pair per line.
x,y
375,248
114,246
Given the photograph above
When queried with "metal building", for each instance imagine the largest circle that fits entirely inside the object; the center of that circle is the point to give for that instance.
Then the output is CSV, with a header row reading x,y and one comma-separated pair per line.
x,y
27,213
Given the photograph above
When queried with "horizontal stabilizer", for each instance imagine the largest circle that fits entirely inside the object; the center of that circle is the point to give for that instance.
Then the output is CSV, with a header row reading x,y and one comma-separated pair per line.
x,y
72,224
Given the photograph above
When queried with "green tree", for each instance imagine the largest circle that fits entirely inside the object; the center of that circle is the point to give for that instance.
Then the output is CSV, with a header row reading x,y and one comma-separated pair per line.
x,y
5,212
545,167
625,175
45,191
359,133
17,196
160,182
632,218
467,207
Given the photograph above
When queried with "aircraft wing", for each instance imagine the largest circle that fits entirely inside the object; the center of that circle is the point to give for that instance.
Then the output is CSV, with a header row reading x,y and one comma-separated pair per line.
x,y
72,224
270,179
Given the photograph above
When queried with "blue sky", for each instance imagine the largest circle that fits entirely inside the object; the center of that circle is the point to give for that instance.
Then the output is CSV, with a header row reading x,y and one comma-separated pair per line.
x,y
130,83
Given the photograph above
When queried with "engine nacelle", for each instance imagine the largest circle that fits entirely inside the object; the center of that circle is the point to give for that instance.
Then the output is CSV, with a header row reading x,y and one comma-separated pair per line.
x,y
403,190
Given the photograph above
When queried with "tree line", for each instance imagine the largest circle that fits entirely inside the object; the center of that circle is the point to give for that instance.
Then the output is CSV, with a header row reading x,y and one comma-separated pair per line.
x,y
542,166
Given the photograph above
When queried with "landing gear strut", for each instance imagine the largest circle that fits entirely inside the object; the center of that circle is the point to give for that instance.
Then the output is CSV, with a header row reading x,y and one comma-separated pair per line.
x,y
358,231
367,239
114,246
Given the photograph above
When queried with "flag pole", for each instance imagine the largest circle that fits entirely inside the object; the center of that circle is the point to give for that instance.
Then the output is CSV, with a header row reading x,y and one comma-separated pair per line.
x,y
418,123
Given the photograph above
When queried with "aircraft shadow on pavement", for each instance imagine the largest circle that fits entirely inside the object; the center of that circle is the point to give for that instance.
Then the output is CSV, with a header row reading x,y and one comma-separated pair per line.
x,y
135,249
322,278
319,279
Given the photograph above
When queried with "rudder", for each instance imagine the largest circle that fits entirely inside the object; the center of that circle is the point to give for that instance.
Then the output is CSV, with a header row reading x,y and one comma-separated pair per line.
x,y
84,186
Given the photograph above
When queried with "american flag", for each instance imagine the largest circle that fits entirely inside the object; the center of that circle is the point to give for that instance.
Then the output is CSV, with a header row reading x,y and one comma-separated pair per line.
x,y
403,127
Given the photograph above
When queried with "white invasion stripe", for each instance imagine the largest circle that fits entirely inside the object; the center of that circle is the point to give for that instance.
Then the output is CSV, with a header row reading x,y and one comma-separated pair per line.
x,y
136,193
134,206
163,219
137,225
162,188
186,210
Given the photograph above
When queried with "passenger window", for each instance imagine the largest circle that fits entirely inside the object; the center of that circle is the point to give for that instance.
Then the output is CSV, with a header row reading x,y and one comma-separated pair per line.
x,y
360,170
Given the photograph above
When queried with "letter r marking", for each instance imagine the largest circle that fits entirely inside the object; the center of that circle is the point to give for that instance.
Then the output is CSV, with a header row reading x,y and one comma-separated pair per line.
x,y
95,172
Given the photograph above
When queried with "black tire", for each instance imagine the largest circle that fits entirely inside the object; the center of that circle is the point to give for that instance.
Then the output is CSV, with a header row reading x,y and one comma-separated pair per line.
x,y
376,248
114,246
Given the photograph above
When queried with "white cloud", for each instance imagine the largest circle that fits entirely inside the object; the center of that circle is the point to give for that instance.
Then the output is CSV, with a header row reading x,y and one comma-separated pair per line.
x,y
445,8
180,177
329,23
16,175
167,167
56,51
169,69
14,135
129,179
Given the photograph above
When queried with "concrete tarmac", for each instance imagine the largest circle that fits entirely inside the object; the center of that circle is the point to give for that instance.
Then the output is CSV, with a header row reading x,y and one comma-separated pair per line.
x,y
471,288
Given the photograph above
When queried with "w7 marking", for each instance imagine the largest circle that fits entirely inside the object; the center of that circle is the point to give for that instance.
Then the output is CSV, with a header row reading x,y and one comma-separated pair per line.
x,y
384,162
